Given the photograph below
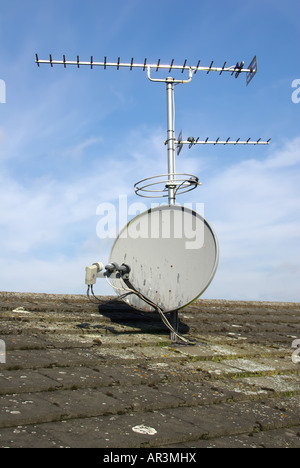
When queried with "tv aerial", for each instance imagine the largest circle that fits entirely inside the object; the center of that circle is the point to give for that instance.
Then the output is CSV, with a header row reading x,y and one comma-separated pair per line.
x,y
166,257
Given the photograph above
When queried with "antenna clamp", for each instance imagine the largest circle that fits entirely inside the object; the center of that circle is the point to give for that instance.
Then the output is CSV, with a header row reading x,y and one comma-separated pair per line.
x,y
169,79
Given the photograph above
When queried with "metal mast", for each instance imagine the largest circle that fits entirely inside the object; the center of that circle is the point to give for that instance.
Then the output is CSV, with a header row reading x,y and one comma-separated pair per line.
x,y
171,140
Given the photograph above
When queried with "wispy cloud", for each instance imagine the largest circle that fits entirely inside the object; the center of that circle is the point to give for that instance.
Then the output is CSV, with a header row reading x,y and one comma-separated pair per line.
x,y
255,205
78,150
48,225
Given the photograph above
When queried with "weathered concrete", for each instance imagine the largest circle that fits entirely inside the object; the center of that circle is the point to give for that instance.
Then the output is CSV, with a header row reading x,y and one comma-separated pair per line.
x,y
79,374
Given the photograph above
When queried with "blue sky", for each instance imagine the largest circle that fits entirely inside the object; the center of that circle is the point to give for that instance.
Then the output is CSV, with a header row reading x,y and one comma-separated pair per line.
x,y
72,139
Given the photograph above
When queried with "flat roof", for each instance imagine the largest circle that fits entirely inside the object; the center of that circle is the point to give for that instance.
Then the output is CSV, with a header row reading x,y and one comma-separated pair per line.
x,y
79,374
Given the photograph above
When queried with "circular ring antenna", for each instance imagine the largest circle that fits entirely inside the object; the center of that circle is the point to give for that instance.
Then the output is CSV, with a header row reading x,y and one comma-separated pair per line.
x,y
173,255
158,186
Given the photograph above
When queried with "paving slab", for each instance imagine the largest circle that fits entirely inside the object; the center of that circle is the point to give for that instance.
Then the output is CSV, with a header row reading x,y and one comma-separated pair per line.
x,y
25,381
279,438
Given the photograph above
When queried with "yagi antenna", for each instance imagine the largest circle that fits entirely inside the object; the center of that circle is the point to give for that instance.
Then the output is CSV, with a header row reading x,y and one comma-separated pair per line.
x,y
191,141
171,184
192,69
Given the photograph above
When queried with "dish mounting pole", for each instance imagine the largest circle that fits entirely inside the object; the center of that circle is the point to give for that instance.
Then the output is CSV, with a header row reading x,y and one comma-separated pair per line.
x,y
171,141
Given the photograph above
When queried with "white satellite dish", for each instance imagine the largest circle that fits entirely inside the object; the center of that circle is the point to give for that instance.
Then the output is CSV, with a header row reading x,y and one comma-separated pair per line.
x,y
173,255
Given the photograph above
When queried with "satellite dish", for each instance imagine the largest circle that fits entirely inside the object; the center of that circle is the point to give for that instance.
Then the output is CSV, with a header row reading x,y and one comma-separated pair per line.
x,y
173,255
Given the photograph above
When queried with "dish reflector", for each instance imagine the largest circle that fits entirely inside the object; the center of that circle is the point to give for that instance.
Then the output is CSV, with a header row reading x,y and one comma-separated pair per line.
x,y
173,255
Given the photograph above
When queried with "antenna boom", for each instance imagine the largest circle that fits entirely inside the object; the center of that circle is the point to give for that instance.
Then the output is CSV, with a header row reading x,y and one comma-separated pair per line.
x,y
222,142
234,69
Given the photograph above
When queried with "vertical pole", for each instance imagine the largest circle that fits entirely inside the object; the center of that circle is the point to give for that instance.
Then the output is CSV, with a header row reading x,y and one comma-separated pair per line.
x,y
171,172
175,324
171,140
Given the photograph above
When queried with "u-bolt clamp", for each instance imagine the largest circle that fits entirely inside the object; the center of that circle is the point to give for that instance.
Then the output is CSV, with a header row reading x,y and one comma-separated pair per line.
x,y
173,80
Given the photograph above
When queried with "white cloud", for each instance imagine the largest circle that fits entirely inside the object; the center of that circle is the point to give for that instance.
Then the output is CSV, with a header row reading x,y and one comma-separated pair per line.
x,y
48,228
256,208
48,224
78,150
